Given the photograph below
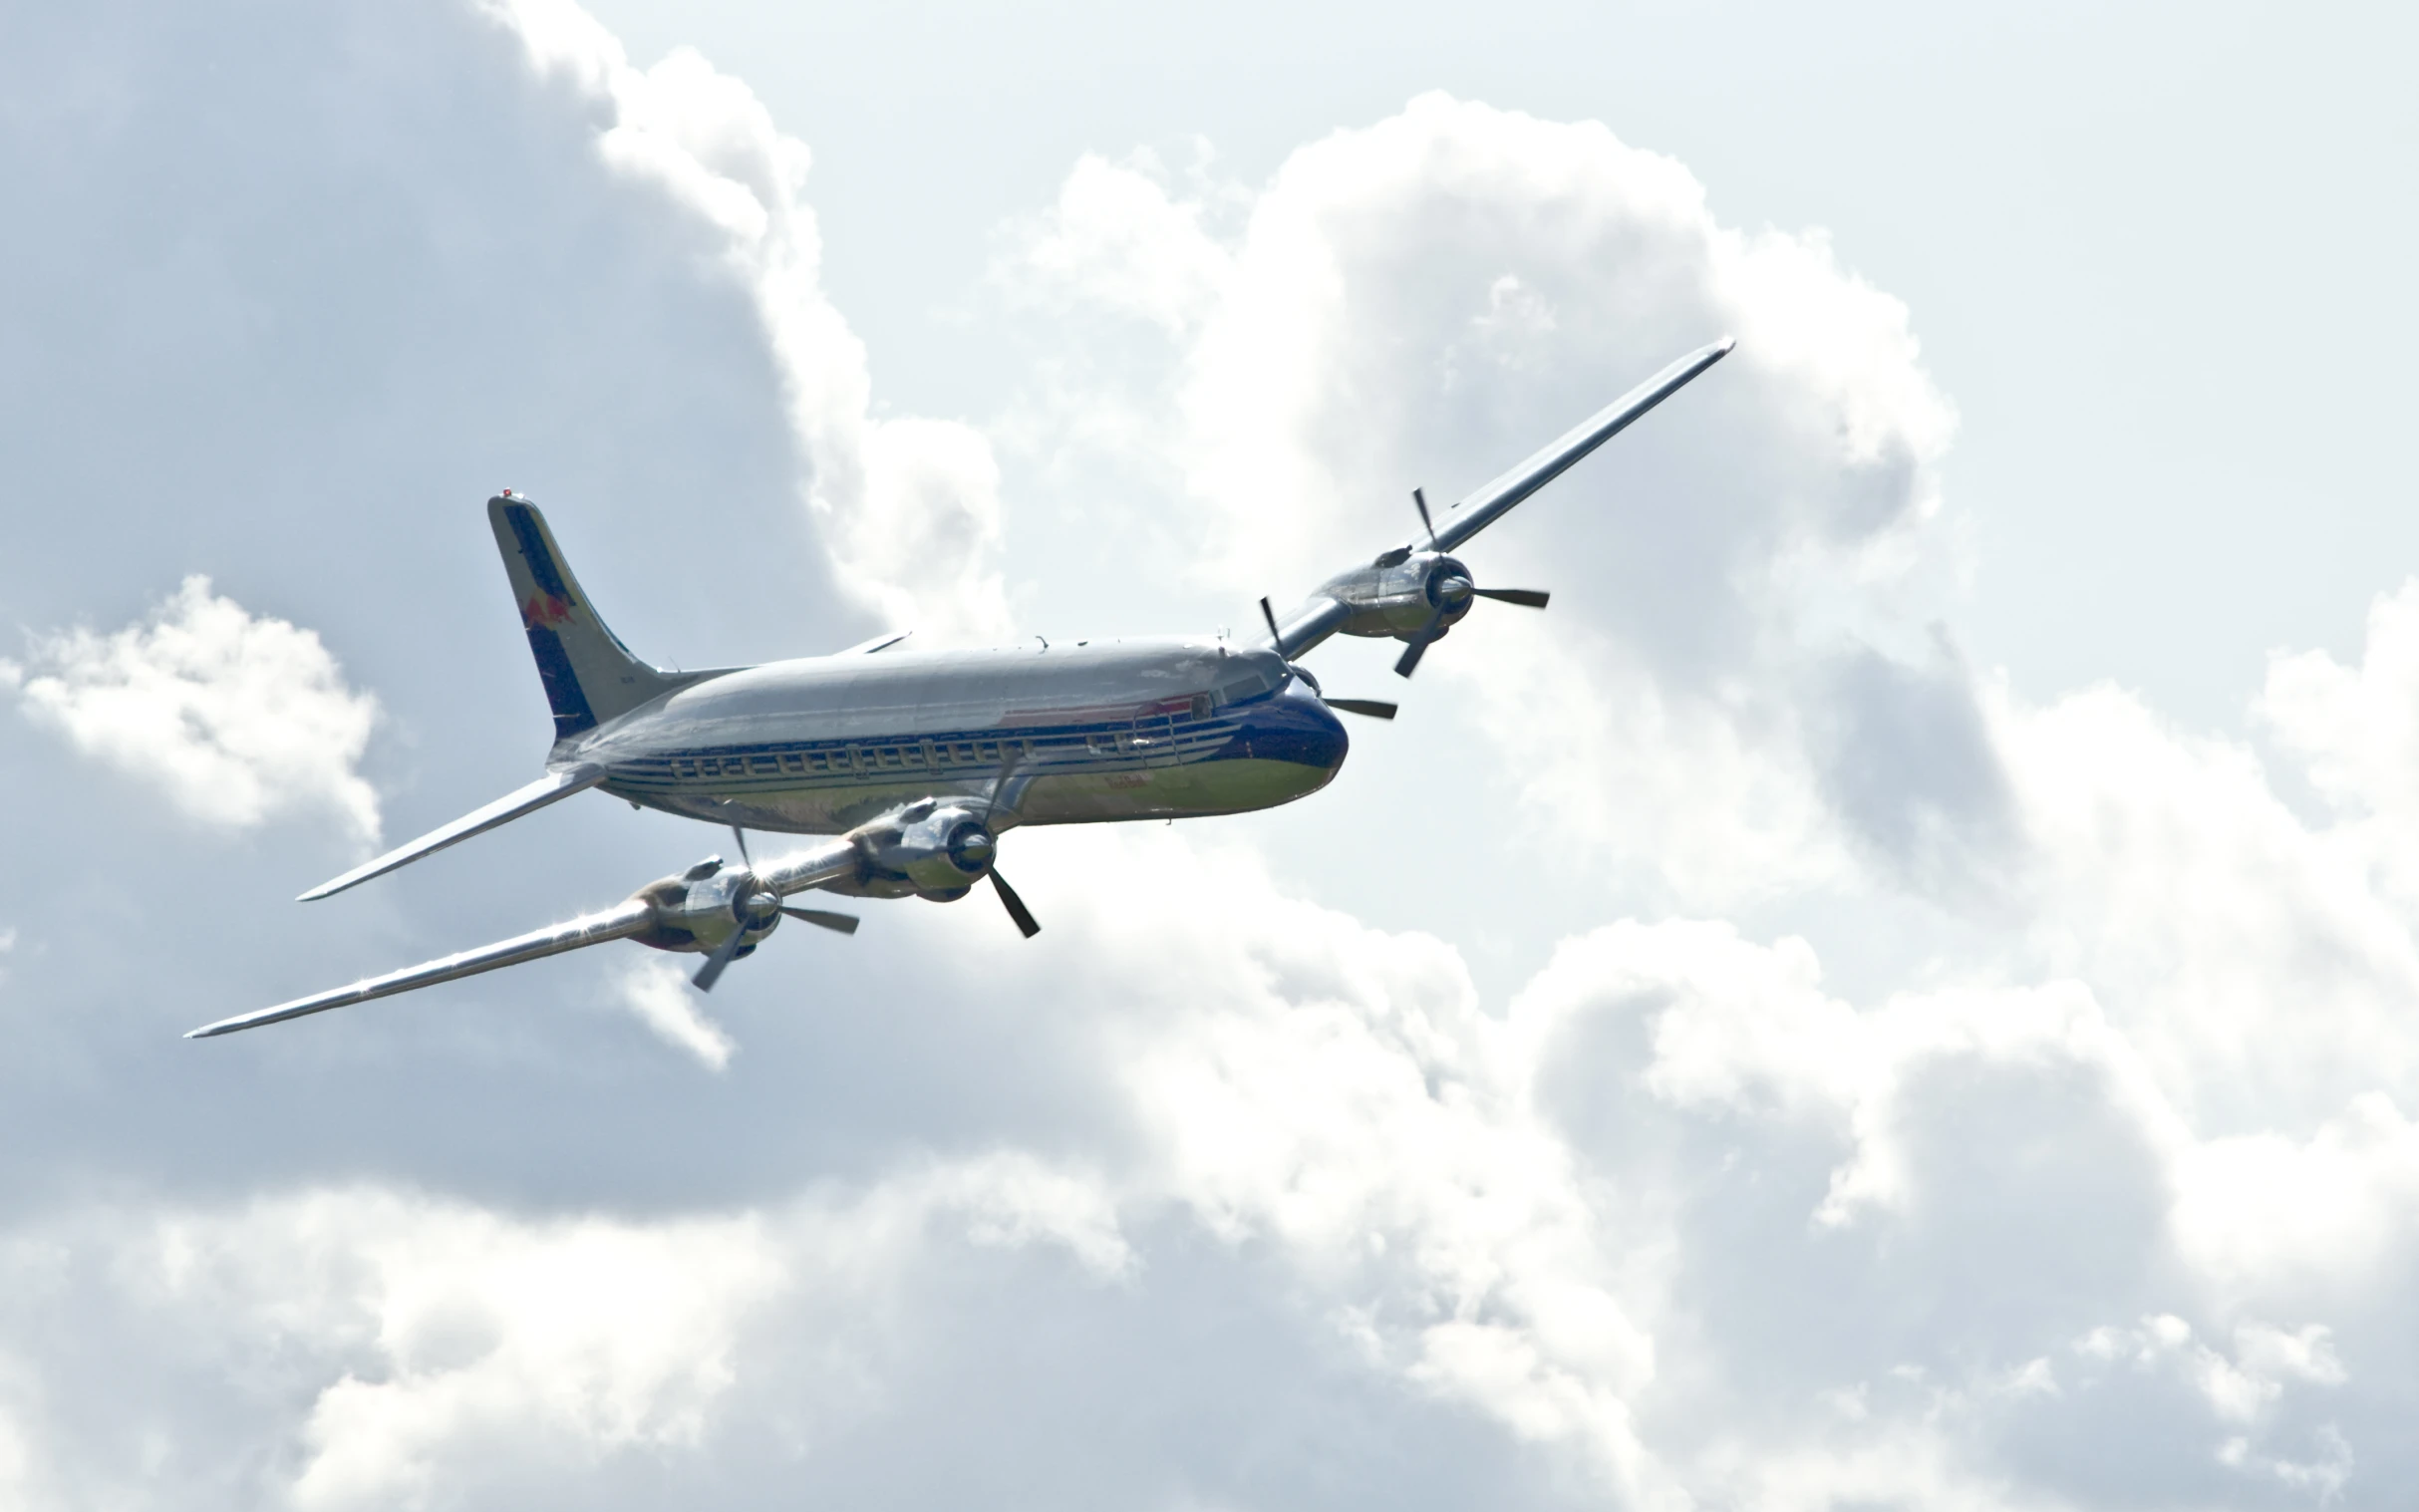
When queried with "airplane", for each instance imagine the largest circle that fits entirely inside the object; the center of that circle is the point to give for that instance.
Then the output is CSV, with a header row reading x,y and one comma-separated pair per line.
x,y
912,765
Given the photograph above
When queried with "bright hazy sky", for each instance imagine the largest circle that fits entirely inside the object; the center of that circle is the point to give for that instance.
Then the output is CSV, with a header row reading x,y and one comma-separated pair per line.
x,y
1901,989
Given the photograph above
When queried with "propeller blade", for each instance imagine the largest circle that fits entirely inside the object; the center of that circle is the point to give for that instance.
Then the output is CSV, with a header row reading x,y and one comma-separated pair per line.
x,y
999,785
1526,598
719,961
1408,661
1270,615
1015,905
741,835
844,923
1419,496
1373,708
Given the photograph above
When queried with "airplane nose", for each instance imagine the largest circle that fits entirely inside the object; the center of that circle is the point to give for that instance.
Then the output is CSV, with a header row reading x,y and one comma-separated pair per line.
x,y
1328,746
1296,727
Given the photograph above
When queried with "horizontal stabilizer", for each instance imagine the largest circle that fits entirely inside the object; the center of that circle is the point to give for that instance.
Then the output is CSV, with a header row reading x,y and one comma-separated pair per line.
x,y
616,923
553,787
882,642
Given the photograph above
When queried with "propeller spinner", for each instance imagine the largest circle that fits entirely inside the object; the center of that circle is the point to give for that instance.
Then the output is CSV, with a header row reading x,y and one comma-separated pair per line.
x,y
1449,589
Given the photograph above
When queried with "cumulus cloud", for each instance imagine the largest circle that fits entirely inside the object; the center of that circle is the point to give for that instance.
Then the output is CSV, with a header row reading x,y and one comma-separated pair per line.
x,y
2091,1186
237,719
908,507
1686,1216
2355,729
1740,690
439,1350
658,992
2160,1015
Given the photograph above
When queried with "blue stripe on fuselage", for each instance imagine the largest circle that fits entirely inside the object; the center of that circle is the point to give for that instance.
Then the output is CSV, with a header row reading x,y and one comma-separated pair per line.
x,y
1292,727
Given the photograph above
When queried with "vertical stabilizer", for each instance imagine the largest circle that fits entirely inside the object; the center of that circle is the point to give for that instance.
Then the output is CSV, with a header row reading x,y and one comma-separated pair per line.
x,y
590,676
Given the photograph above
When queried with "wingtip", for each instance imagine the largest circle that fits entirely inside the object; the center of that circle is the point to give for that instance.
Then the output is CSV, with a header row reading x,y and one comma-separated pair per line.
x,y
1726,344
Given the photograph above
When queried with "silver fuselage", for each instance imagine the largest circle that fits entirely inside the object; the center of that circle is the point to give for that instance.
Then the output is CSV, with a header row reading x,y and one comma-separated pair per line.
x,y
1086,732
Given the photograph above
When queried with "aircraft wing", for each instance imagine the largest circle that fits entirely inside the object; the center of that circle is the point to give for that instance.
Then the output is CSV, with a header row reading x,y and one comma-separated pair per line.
x,y
825,861
553,787
615,923
1322,615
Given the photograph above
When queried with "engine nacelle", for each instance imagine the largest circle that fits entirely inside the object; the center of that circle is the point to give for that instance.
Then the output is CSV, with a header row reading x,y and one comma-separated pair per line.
x,y
1397,596
925,850
701,908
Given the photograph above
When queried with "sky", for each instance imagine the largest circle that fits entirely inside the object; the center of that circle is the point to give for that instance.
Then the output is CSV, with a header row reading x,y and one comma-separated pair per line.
x,y
1896,991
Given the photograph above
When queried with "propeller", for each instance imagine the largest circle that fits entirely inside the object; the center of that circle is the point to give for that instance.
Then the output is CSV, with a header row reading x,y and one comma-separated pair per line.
x,y
1449,593
838,923
845,924
753,906
1526,598
1027,924
1375,709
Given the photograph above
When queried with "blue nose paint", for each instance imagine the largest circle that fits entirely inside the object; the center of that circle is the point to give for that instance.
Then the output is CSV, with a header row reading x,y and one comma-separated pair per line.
x,y
1291,726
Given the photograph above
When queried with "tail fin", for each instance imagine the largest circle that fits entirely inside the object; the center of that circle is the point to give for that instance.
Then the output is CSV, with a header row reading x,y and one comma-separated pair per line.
x,y
590,676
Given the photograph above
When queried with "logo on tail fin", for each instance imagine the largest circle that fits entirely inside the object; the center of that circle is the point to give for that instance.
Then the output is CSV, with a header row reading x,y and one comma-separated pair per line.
x,y
545,609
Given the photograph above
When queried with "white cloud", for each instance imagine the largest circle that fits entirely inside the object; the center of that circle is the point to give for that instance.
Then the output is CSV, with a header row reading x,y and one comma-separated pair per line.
x,y
2355,729
1429,299
237,719
1118,238
907,507
658,992
392,1349
1641,1209
575,1338
1683,1215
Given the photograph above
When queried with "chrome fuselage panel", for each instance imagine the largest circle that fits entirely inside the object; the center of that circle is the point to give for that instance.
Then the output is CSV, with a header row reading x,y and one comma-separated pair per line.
x,y
1089,732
